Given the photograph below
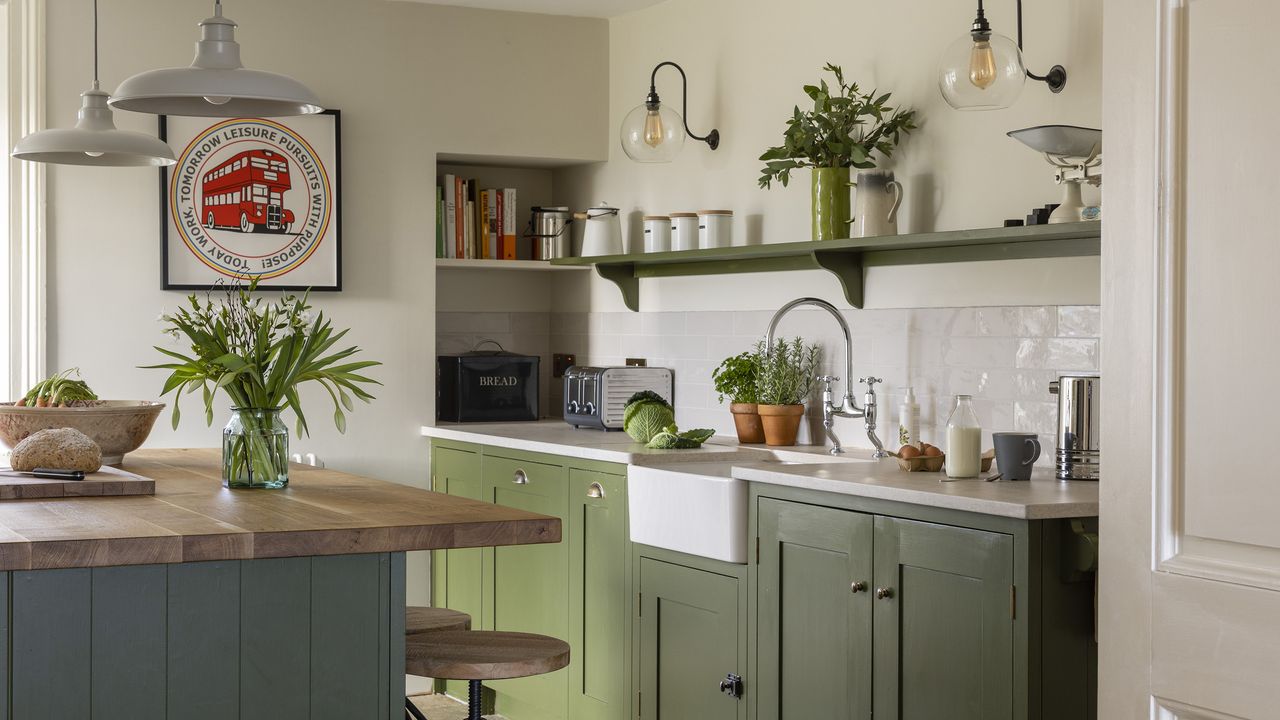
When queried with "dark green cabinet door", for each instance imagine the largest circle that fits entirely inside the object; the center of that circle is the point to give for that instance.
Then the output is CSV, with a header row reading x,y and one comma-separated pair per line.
x,y
598,596
527,586
458,575
944,626
813,646
688,643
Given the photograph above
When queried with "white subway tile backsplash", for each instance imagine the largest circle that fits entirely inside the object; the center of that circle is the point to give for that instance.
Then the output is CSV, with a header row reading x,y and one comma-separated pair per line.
x,y
1006,357
1080,321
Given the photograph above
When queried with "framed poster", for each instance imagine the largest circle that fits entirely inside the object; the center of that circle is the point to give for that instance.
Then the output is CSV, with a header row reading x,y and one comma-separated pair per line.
x,y
251,198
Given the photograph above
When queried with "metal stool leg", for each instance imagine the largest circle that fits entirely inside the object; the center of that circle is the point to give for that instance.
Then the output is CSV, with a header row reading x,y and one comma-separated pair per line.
x,y
475,700
413,710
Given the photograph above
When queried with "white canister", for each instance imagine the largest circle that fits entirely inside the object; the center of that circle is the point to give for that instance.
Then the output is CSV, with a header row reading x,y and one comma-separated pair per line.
x,y
657,233
684,231
603,233
715,228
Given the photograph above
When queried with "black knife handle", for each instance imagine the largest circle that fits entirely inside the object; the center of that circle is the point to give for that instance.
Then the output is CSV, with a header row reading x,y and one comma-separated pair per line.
x,y
54,474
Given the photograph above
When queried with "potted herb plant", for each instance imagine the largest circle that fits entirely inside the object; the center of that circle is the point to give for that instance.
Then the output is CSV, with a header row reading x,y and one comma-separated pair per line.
x,y
845,129
738,377
787,373
258,353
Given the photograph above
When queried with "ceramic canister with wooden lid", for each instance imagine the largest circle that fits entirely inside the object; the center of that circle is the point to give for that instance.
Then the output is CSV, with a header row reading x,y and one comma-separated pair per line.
x,y
715,228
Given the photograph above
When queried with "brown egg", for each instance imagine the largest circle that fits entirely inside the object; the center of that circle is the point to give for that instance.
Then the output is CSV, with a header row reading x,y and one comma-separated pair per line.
x,y
931,451
908,451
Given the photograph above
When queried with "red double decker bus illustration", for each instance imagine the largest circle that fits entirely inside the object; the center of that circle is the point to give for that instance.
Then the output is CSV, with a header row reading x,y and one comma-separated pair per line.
x,y
246,193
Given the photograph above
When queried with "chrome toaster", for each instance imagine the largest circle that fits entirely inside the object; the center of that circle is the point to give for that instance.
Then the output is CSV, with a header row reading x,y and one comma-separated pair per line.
x,y
596,396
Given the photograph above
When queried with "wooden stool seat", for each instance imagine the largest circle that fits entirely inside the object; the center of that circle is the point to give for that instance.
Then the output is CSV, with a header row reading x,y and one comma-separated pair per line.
x,y
419,620
483,655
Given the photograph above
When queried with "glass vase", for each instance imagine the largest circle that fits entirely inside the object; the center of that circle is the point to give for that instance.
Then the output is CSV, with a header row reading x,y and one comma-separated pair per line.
x,y
255,449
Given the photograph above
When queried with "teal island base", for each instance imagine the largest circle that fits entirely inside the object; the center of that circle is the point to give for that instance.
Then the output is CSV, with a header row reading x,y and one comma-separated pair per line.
x,y
274,639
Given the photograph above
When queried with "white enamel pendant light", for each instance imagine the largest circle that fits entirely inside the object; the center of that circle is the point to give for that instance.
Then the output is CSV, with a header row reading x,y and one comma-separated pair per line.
x,y
216,84
94,140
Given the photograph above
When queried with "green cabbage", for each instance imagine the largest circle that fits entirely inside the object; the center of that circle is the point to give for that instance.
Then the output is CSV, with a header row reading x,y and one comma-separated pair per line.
x,y
646,418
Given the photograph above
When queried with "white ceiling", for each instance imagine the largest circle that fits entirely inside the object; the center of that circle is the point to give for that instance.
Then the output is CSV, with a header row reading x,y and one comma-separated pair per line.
x,y
577,8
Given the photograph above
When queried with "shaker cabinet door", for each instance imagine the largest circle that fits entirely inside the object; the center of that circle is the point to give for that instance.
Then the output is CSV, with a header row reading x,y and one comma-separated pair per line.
x,y
814,594
458,575
527,586
943,622
688,643
599,596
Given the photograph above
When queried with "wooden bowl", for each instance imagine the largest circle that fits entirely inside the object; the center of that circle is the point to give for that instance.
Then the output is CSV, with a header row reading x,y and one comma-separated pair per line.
x,y
117,426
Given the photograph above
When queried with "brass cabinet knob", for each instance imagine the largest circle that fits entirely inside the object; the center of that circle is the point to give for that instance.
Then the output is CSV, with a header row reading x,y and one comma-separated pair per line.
x,y
858,586
520,478
884,593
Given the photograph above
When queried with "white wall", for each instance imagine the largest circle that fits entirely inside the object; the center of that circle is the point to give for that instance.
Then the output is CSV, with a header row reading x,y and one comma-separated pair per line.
x,y
411,81
747,61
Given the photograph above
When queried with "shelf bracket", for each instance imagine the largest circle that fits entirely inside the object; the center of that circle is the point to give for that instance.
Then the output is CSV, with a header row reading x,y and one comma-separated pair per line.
x,y
847,267
624,276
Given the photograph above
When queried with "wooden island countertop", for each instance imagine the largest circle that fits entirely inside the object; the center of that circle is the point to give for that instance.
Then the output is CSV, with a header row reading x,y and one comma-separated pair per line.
x,y
192,518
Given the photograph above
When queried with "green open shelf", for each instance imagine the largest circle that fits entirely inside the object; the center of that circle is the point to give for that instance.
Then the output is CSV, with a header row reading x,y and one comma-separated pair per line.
x,y
847,258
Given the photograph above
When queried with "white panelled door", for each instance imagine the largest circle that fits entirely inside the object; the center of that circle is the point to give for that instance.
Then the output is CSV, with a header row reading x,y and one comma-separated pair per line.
x,y
1190,569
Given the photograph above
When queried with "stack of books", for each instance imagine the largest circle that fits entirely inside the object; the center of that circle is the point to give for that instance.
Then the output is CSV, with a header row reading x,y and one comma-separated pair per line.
x,y
473,223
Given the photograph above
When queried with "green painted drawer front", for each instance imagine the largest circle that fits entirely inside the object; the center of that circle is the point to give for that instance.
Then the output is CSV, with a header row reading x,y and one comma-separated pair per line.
x,y
458,575
944,639
310,638
688,643
527,586
813,648
598,597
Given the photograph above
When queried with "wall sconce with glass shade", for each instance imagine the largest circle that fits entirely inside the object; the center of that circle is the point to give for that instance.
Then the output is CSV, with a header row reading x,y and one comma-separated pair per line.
x,y
983,70
216,84
94,140
653,132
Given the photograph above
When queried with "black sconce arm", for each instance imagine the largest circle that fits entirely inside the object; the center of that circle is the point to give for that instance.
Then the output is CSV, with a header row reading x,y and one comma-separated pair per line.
x,y
712,139
1056,78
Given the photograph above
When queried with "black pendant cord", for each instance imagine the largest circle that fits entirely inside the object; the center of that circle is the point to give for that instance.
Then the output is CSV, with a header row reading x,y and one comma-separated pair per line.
x,y
712,139
1056,78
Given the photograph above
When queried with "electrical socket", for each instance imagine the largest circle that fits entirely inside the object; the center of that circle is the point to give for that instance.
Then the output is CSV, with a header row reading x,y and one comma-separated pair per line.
x,y
637,362
560,362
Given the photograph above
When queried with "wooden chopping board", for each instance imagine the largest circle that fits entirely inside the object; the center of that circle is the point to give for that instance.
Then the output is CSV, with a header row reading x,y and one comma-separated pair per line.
x,y
106,482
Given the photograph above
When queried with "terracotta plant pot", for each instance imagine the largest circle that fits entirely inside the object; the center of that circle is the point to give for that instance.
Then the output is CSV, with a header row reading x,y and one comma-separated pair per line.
x,y
781,423
746,419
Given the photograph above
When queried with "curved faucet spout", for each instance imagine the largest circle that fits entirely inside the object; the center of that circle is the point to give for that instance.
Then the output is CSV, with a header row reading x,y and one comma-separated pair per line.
x,y
850,406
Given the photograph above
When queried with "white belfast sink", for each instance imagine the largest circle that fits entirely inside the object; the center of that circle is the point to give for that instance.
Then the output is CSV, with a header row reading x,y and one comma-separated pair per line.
x,y
698,507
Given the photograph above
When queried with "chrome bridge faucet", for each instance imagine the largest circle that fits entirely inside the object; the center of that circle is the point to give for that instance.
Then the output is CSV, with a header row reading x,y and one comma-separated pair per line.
x,y
848,406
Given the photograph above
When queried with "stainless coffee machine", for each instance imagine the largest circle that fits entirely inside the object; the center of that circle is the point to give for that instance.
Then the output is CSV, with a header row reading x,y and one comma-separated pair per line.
x,y
1078,455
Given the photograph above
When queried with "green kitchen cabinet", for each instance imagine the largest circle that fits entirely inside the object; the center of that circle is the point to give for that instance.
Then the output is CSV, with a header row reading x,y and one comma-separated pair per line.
x,y
691,628
813,653
943,636
458,575
599,603
527,586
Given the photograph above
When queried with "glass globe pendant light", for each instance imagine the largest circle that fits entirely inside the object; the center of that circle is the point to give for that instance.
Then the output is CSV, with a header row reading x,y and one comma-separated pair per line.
x,y
216,84
653,132
94,140
983,70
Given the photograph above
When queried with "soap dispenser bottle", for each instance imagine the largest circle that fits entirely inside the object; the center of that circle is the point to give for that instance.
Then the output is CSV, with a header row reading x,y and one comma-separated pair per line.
x,y
909,420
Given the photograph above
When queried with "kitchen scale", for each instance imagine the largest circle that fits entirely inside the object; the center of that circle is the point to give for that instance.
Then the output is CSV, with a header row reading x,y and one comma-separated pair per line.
x,y
1076,155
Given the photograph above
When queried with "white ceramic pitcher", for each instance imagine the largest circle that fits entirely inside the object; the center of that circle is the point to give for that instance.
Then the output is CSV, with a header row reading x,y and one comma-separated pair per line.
x,y
875,210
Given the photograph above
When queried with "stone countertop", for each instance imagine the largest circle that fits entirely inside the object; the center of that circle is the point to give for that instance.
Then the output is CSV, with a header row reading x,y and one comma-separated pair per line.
x,y
192,518
808,467
556,437
1042,498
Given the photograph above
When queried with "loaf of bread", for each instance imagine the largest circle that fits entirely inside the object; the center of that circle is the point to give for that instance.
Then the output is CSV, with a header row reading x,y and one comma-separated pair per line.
x,y
60,449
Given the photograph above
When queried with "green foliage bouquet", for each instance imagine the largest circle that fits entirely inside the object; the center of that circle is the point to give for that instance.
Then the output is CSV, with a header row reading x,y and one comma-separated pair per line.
x,y
258,352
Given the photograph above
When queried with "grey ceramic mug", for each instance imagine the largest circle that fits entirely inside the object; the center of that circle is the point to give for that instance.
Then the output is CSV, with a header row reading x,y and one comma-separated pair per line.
x,y
1016,453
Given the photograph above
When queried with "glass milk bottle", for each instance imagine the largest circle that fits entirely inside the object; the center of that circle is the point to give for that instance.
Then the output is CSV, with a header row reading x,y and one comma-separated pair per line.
x,y
964,440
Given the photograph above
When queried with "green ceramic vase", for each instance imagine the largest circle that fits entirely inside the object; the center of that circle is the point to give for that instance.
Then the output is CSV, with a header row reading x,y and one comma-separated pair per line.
x,y
832,210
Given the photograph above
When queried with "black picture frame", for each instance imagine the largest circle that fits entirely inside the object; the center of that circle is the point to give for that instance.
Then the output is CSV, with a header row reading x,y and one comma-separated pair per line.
x,y
165,175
